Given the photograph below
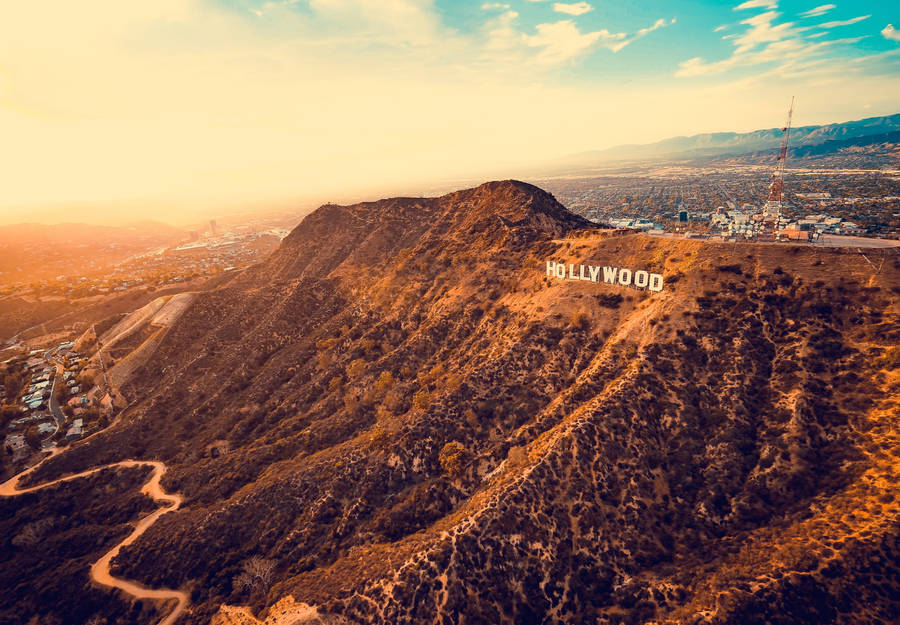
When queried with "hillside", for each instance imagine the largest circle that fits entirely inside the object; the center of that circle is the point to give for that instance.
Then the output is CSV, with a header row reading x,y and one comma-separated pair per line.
x,y
408,421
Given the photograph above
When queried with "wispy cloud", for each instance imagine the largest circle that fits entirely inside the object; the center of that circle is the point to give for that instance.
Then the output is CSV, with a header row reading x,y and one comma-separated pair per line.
x,y
719,29
578,8
768,41
819,10
757,4
889,32
557,42
837,23
491,6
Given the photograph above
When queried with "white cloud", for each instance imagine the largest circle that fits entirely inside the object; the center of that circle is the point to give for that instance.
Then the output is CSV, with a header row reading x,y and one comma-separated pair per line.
x,y
660,23
763,29
489,6
757,4
844,22
889,32
766,41
578,8
502,36
719,29
562,41
619,40
557,42
819,10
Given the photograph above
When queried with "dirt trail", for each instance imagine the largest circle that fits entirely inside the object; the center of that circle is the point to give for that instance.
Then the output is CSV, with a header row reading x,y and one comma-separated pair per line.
x,y
100,569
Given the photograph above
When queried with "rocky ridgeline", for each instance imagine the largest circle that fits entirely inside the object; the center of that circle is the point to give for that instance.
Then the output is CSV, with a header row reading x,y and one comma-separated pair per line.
x,y
413,422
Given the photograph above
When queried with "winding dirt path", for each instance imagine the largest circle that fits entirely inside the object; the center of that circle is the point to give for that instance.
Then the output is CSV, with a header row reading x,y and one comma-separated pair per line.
x,y
100,569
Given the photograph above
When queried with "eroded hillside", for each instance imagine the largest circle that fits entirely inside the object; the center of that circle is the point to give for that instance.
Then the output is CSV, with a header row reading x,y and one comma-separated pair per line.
x,y
404,415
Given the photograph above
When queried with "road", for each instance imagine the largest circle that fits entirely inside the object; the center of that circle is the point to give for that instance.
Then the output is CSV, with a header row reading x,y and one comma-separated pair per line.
x,y
54,405
838,240
100,572
826,240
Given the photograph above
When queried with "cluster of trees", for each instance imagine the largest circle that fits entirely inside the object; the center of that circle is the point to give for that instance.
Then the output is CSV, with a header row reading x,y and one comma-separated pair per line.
x,y
14,378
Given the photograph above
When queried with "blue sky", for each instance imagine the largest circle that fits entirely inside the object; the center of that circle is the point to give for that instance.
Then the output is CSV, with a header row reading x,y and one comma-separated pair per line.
x,y
184,103
653,40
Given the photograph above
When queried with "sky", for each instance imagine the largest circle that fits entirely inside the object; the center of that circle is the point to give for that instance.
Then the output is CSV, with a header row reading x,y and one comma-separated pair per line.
x,y
113,110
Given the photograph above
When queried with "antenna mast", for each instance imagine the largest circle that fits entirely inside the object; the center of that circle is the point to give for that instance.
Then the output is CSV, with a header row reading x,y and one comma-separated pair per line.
x,y
776,189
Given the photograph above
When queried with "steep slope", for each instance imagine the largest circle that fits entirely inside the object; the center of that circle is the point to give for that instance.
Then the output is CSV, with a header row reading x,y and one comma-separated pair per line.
x,y
404,416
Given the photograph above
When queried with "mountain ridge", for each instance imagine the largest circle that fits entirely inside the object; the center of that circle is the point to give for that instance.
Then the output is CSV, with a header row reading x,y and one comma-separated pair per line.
x,y
733,143
417,423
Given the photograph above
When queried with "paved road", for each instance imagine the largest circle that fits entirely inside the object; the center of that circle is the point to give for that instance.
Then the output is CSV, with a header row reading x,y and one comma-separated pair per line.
x,y
826,240
837,240
100,569
54,405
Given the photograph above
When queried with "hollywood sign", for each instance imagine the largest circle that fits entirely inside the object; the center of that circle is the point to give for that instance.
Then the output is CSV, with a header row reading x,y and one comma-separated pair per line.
x,y
611,275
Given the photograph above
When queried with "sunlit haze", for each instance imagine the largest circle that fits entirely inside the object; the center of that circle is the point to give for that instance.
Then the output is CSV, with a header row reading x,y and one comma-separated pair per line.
x,y
174,109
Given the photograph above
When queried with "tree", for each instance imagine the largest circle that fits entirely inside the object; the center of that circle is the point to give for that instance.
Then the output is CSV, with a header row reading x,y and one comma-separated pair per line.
x,y
422,400
385,382
85,381
392,400
453,459
356,368
255,576
352,401
33,438
8,412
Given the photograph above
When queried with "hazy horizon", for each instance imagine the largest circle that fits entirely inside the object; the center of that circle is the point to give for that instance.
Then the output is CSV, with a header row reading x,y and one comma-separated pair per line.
x,y
181,109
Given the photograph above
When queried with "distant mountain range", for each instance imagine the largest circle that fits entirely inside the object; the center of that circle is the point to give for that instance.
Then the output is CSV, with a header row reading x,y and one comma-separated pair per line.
x,y
832,137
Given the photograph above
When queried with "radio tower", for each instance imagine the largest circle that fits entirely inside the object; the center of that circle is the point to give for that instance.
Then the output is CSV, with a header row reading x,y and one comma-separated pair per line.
x,y
772,207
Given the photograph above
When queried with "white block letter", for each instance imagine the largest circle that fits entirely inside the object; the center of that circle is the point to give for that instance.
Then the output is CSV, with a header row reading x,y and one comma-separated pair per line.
x,y
656,282
641,278
609,274
624,277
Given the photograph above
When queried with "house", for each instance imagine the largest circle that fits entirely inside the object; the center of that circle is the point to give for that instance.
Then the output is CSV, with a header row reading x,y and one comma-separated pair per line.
x,y
15,445
45,428
76,431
